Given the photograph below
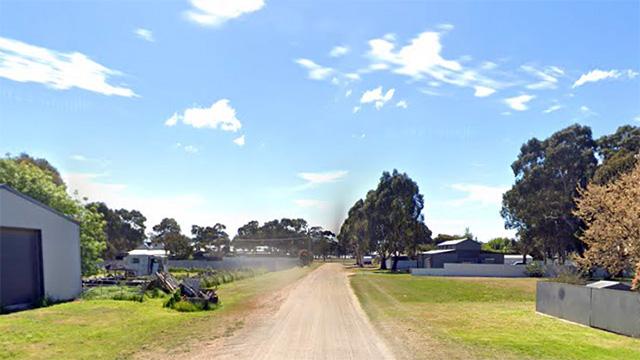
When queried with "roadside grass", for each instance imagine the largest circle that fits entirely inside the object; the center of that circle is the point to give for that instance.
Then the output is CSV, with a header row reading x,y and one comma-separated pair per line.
x,y
476,318
110,329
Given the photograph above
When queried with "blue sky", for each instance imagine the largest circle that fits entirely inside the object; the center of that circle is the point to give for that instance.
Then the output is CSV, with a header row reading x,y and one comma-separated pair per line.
x,y
214,111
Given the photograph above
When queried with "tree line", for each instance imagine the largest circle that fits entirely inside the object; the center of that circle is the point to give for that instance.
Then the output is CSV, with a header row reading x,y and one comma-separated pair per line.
x,y
549,176
388,220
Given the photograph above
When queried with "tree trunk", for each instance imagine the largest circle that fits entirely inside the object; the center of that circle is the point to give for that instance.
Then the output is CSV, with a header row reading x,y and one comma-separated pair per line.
x,y
394,263
524,257
383,263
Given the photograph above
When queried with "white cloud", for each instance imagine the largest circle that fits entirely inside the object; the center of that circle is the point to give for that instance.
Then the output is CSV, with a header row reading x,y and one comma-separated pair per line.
x,y
23,62
488,65
548,76
519,103
316,178
402,104
377,97
483,91
187,148
217,12
239,140
311,203
445,27
552,108
352,76
316,72
220,114
348,93
191,149
78,157
586,111
422,59
173,120
599,75
339,51
356,109
481,194
186,208
144,34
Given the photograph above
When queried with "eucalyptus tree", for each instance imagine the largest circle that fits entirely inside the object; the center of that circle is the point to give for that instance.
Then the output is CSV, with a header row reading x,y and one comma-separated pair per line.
x,y
540,204
124,229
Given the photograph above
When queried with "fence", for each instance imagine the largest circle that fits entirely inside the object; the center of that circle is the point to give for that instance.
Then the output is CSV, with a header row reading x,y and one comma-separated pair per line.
x,y
229,263
613,310
483,270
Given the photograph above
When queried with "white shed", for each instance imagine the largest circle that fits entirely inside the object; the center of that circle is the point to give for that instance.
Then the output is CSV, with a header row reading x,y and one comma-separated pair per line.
x,y
39,252
146,261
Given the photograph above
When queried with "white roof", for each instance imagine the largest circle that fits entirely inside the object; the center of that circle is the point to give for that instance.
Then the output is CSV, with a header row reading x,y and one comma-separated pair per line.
x,y
149,252
431,252
452,242
603,284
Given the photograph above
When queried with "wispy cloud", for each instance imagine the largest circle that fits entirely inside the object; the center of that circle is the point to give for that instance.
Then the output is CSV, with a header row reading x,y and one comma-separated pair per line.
x,y
216,12
219,114
23,62
311,203
519,103
317,178
552,108
316,71
483,91
586,111
599,75
144,34
422,59
339,51
481,194
377,97
548,76
78,157
187,148
402,104
239,140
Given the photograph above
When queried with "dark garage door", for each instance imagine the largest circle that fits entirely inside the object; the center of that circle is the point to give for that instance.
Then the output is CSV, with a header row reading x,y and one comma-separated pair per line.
x,y
20,267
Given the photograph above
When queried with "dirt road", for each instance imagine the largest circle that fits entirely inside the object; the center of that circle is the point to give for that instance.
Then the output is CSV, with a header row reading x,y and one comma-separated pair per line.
x,y
320,318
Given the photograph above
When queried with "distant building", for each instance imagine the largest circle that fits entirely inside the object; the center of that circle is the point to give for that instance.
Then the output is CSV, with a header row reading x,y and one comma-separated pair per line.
x,y
516,259
146,261
458,251
39,252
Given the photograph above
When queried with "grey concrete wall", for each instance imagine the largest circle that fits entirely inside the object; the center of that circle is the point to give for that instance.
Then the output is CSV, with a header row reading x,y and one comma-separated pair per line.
x,y
482,270
566,301
229,263
60,243
613,310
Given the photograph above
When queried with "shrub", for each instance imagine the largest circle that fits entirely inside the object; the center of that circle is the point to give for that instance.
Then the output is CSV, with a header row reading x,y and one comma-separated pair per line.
x,y
176,302
570,275
306,257
534,269
126,293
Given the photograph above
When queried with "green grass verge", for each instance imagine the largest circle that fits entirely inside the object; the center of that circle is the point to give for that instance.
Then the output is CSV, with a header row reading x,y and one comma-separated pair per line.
x,y
110,329
477,318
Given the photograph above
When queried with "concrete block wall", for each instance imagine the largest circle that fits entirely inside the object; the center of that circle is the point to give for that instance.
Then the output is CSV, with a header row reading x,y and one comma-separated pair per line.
x,y
481,270
229,263
613,310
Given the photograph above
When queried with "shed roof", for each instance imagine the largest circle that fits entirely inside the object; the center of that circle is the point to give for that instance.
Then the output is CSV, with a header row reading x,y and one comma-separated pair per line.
x,y
149,252
452,242
440,251
606,284
38,203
